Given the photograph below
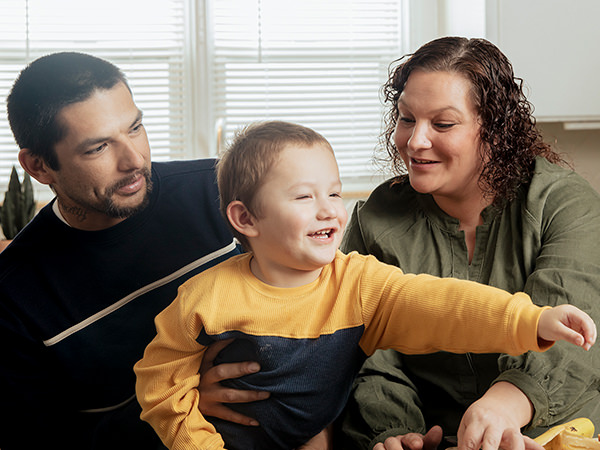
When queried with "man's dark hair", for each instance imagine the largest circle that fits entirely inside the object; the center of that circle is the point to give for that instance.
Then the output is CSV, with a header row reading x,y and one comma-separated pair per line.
x,y
44,88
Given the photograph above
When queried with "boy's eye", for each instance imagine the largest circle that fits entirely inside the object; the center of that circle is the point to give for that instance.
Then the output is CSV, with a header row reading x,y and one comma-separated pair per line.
x,y
335,195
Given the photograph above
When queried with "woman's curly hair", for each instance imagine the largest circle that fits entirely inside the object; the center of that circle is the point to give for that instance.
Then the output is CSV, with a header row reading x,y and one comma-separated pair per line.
x,y
508,132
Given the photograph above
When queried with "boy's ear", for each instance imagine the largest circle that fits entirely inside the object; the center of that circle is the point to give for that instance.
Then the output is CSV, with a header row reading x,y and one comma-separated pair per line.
x,y
35,166
241,219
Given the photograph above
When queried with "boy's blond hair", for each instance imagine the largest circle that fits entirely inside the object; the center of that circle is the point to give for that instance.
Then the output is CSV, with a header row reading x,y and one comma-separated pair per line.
x,y
242,169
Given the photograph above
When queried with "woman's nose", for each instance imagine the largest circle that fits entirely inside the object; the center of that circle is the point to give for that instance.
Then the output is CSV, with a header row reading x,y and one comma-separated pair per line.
x,y
419,138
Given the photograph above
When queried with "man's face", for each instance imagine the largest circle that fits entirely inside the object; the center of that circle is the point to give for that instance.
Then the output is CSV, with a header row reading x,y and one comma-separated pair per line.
x,y
104,160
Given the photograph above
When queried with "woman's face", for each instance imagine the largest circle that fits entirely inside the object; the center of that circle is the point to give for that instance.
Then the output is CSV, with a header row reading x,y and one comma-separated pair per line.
x,y
437,135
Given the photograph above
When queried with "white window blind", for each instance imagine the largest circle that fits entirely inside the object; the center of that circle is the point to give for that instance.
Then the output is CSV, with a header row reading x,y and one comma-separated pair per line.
x,y
145,39
318,63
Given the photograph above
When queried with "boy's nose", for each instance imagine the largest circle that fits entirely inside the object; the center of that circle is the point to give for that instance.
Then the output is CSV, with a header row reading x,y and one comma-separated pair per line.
x,y
327,210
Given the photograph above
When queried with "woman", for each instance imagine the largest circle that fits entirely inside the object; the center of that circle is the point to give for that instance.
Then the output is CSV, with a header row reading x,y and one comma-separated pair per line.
x,y
478,195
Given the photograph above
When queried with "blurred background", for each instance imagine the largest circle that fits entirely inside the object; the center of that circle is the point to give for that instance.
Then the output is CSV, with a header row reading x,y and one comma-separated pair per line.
x,y
200,69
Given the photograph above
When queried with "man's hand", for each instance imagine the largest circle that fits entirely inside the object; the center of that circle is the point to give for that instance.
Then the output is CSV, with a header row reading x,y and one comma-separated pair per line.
x,y
413,441
213,394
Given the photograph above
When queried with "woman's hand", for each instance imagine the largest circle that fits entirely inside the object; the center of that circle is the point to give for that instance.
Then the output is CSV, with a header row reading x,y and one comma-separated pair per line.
x,y
413,441
567,323
213,394
496,419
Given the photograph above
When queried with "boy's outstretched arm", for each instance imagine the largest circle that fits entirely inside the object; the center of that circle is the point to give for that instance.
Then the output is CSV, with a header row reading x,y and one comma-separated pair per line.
x,y
567,323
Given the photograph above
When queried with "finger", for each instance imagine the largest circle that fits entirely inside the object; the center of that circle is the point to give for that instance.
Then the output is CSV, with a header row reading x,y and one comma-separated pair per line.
x,y
228,414
227,371
512,439
228,395
530,444
470,438
379,447
571,336
393,443
433,438
587,328
211,353
490,441
412,441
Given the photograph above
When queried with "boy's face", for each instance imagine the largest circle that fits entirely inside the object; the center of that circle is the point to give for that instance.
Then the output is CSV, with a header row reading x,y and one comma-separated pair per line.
x,y
302,216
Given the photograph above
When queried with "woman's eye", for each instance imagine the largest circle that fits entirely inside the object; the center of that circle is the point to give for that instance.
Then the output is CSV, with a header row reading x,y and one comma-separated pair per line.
x,y
137,128
406,120
444,126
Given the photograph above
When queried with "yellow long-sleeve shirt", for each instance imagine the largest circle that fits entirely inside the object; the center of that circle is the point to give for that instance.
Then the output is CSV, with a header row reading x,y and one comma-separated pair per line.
x,y
310,341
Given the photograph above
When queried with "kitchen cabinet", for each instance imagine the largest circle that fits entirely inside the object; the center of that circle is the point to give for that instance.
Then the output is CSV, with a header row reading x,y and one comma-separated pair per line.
x,y
554,46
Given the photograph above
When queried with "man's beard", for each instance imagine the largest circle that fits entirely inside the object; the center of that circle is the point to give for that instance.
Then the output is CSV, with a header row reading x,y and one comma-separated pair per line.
x,y
111,209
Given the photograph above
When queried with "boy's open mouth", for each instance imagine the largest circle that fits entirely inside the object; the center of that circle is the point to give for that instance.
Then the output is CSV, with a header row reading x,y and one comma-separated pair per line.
x,y
323,234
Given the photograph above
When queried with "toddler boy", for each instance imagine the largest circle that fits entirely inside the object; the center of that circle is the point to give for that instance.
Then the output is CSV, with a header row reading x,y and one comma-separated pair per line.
x,y
305,311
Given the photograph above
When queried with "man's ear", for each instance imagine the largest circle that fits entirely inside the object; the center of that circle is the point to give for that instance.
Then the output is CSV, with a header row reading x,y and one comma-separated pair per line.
x,y
35,166
241,219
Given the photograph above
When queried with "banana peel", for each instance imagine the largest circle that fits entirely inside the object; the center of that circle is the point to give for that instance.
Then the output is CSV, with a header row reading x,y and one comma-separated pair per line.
x,y
576,434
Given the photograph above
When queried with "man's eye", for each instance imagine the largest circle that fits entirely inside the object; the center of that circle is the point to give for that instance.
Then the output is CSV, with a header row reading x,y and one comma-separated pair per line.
x,y
96,149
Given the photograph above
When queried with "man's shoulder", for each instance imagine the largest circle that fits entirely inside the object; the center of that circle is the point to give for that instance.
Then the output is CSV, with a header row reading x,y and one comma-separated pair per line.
x,y
183,167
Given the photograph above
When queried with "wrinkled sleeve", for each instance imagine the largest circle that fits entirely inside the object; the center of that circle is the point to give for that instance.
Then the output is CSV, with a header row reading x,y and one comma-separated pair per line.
x,y
567,270
384,401
167,380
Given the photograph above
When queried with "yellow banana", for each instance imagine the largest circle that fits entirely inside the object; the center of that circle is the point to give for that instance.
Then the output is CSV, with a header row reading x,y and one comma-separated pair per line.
x,y
572,435
567,440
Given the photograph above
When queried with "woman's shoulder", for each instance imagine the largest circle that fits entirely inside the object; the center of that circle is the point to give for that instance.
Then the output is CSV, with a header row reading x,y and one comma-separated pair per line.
x,y
559,190
554,181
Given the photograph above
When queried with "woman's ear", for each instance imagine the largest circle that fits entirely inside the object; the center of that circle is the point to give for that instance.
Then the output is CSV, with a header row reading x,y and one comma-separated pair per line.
x,y
36,167
241,219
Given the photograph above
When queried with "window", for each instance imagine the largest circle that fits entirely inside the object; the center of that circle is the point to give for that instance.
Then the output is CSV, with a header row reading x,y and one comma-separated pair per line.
x,y
317,63
145,40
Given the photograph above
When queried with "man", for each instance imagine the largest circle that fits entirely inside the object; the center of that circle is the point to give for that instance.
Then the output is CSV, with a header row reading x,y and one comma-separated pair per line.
x,y
81,284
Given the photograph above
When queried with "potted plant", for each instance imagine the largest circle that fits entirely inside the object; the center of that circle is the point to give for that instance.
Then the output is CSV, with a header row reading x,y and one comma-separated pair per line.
x,y
18,207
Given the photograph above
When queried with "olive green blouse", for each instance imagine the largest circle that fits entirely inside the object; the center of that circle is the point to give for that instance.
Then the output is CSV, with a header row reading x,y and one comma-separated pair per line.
x,y
545,243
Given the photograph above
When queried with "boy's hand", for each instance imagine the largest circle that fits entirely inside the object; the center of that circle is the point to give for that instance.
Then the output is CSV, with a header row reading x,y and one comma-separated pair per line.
x,y
213,395
567,323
